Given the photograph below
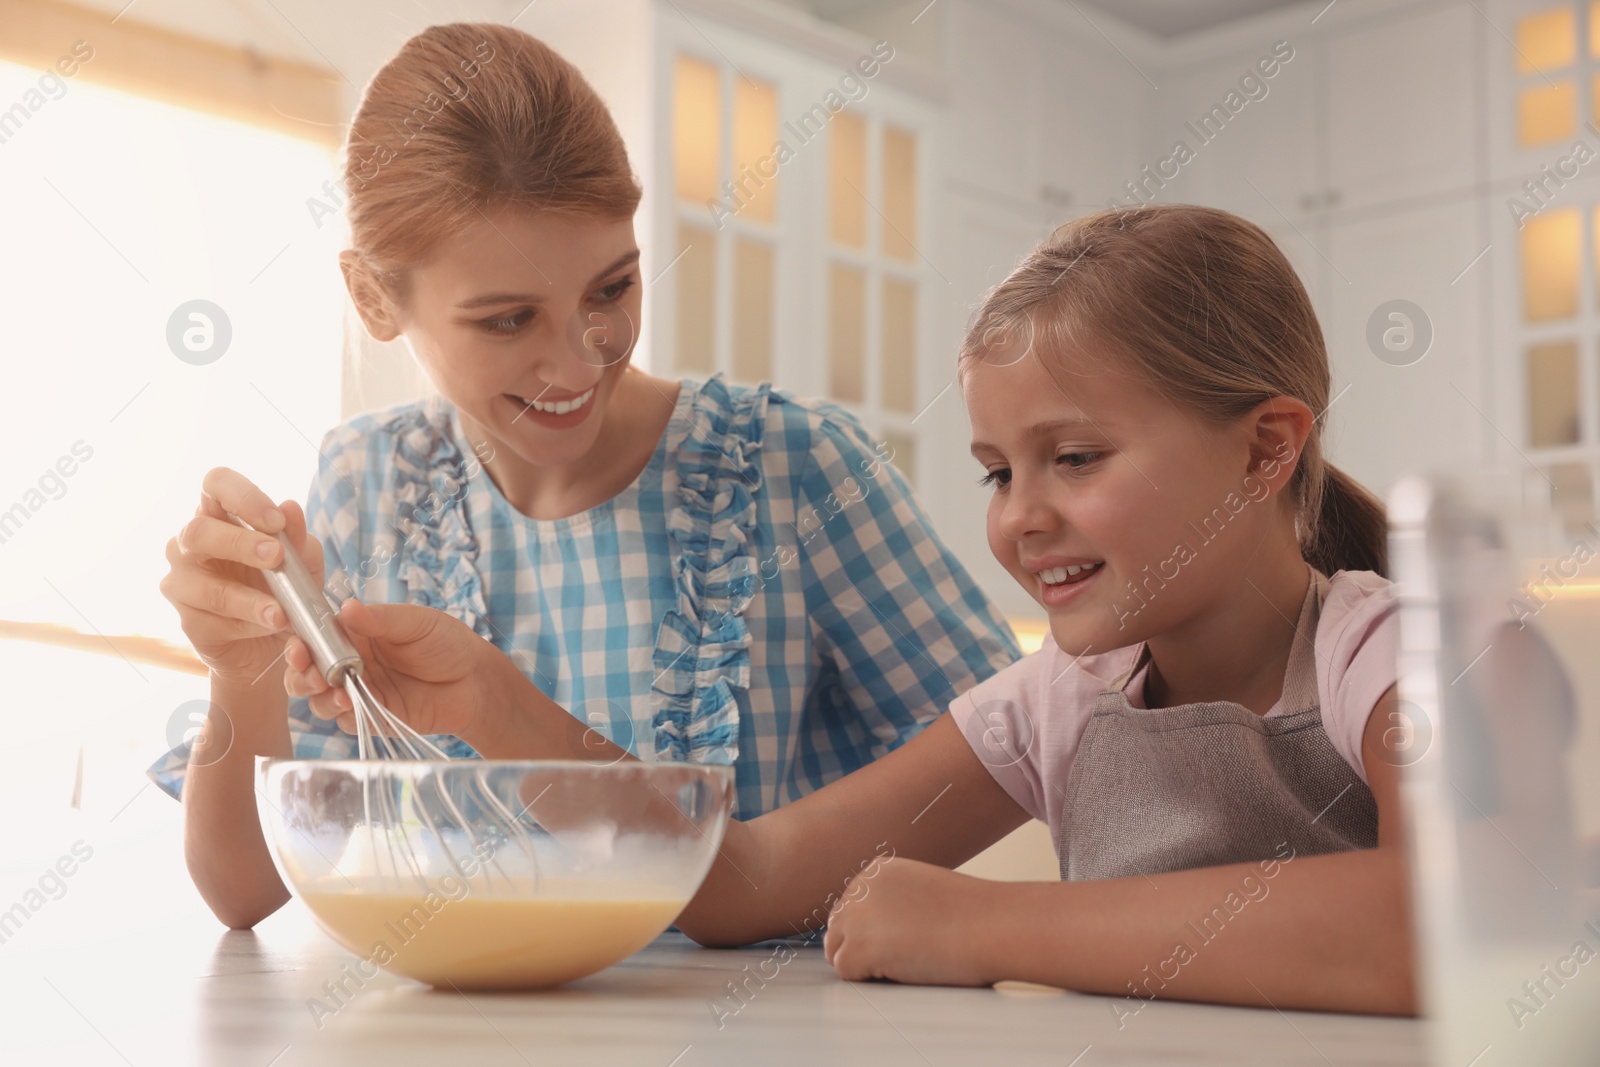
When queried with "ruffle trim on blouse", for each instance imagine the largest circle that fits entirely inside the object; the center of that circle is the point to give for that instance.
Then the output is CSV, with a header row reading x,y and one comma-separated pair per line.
x,y
436,548
702,650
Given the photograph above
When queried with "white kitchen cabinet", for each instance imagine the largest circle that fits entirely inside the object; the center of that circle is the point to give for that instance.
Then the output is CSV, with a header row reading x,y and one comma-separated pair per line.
x,y
1096,109
1377,111
1304,242
1430,414
1264,163
1401,106
1047,122
996,92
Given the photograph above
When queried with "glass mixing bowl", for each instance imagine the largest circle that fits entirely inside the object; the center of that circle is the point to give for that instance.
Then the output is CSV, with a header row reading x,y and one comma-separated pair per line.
x,y
493,874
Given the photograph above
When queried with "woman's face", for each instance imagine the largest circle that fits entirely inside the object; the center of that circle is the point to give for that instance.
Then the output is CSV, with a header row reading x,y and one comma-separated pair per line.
x,y
1123,515
526,321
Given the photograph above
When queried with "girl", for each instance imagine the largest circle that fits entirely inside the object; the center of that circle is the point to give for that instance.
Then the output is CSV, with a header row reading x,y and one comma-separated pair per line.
x,y
1205,734
701,571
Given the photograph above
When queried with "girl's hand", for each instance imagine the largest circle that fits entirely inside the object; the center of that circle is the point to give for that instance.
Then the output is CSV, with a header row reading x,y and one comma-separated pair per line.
x,y
427,667
911,922
232,620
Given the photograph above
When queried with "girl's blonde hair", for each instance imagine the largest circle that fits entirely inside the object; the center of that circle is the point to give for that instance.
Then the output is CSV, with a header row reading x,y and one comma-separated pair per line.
x,y
469,116
1208,311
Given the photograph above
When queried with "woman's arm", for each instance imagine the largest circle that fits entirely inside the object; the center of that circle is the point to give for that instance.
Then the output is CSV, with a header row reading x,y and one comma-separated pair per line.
x,y
237,630
1330,932
223,845
778,875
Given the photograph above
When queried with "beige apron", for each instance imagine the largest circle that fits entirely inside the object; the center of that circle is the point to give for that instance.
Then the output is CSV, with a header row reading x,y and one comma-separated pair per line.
x,y
1198,785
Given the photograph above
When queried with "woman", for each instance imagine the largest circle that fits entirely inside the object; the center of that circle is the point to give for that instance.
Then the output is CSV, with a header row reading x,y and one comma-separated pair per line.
x,y
695,570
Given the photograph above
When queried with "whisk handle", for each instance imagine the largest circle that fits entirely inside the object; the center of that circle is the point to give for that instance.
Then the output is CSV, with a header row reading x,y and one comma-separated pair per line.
x,y
310,614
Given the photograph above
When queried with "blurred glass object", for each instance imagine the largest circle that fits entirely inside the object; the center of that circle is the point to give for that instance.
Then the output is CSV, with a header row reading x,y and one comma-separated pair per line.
x,y
1572,496
1499,685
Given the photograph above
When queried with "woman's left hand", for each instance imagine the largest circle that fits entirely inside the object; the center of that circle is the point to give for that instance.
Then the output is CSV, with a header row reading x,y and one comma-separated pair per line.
x,y
428,668
911,922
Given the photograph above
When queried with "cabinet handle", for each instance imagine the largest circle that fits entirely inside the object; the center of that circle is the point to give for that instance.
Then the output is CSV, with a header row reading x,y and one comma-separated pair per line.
x,y
1054,194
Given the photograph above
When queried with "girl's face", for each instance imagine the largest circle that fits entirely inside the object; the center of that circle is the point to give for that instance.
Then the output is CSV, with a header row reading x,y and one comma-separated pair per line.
x,y
526,321
1123,515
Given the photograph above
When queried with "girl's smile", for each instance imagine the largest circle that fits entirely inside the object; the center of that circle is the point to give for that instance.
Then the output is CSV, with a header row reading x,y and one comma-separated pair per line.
x,y
1062,579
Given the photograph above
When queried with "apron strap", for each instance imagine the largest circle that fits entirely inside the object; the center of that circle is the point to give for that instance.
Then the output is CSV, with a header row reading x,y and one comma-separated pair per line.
x,y
1300,675
1120,683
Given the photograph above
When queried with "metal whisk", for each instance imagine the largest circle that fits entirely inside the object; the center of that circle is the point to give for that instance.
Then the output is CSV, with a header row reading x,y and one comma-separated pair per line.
x,y
382,735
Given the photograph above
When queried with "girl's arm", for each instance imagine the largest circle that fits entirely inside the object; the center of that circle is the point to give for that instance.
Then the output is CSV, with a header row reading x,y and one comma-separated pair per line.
x,y
1329,932
778,875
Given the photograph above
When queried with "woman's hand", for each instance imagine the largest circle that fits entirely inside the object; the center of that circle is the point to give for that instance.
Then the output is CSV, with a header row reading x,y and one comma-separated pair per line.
x,y
427,667
235,625
911,922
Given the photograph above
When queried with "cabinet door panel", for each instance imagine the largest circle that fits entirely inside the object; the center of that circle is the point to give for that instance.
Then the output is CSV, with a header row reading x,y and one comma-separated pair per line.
x,y
995,94
1400,106
1097,109
1261,162
1395,419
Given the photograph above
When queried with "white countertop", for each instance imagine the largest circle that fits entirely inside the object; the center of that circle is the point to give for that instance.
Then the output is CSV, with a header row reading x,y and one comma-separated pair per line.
x,y
127,967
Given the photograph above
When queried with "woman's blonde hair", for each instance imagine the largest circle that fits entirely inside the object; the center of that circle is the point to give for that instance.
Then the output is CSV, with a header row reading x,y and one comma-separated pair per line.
x,y
1206,309
469,116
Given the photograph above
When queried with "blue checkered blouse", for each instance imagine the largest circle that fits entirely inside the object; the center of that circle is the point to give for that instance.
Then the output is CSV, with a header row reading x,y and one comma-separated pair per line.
x,y
767,593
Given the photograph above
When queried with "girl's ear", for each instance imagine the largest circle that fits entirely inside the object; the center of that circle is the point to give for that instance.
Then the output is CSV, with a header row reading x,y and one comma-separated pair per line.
x,y
372,303
1278,430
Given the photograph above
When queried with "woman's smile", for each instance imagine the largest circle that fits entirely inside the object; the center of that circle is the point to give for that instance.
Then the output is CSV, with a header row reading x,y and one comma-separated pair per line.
x,y
556,413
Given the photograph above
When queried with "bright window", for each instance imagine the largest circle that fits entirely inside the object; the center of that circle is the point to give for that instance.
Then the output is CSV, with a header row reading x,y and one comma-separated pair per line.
x,y
125,210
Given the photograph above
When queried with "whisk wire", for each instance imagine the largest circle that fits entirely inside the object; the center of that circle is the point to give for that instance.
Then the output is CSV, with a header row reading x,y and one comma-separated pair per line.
x,y
383,735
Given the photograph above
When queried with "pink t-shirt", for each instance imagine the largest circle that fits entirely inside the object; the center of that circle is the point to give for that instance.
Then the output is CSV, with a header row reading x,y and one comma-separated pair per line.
x,y
1025,722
